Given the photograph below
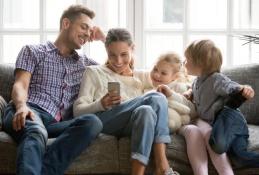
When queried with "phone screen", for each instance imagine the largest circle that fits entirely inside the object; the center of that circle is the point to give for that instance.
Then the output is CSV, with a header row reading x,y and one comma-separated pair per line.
x,y
114,87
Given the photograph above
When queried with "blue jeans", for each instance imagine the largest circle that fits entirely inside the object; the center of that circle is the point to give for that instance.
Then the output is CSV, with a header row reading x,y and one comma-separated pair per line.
x,y
34,157
144,119
230,134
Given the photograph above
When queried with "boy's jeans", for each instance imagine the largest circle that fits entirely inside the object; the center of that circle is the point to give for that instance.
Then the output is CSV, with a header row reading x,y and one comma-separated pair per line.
x,y
230,134
34,157
144,119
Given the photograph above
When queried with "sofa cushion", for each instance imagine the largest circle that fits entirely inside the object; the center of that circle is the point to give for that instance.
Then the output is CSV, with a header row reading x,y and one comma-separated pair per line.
x,y
2,106
247,74
100,157
6,80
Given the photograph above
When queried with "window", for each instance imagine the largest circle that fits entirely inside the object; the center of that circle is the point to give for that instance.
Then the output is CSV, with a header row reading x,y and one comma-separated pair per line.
x,y
170,25
157,26
36,21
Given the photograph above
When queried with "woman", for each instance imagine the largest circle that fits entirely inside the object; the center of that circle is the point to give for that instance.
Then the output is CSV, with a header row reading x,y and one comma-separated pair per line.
x,y
143,118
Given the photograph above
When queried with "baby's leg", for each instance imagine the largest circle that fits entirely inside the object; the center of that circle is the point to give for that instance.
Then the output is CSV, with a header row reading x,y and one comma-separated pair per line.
x,y
196,149
220,161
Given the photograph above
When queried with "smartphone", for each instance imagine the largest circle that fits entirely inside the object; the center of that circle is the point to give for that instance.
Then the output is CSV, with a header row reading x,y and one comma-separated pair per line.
x,y
114,87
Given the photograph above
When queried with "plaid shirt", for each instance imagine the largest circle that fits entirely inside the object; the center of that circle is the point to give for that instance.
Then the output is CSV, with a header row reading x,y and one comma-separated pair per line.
x,y
55,80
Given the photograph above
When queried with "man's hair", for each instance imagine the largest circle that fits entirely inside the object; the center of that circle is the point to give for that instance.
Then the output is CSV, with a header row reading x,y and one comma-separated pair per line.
x,y
73,11
205,55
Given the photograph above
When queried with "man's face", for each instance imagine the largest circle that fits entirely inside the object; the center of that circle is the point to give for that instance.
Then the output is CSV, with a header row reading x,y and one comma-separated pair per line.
x,y
79,31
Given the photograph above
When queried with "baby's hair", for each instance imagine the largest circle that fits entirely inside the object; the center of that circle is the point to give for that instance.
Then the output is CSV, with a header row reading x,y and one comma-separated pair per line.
x,y
176,62
173,59
205,55
119,35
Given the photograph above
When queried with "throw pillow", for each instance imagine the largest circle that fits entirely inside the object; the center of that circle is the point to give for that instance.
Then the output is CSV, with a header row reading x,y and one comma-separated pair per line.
x,y
2,106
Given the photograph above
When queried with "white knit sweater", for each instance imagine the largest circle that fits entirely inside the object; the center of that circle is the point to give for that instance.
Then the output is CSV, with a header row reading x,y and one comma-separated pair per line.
x,y
94,86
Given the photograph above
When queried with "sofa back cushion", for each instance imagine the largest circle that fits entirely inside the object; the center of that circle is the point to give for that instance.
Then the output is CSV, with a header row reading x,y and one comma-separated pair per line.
x,y
247,74
6,80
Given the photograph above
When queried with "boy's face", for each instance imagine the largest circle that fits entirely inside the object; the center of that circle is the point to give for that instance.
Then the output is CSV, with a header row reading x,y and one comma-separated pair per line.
x,y
191,68
162,73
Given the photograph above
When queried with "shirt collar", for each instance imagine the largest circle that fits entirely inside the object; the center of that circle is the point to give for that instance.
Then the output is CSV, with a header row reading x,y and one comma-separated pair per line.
x,y
51,47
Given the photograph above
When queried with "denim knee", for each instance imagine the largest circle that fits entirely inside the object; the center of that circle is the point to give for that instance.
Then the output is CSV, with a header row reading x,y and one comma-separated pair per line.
x,y
90,122
145,115
219,146
156,97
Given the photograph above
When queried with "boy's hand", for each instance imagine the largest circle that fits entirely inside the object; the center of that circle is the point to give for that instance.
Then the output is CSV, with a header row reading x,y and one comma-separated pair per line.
x,y
164,89
248,91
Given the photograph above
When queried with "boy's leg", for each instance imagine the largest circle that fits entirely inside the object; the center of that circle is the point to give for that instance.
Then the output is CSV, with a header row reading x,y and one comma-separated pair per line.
x,y
31,142
73,136
240,154
228,124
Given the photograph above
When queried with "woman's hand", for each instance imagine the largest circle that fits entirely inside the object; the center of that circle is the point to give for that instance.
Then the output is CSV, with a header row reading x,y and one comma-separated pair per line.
x,y
110,99
247,91
164,89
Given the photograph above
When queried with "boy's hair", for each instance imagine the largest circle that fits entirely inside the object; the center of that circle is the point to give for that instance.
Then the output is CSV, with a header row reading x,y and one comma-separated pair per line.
x,y
119,35
173,59
73,11
205,55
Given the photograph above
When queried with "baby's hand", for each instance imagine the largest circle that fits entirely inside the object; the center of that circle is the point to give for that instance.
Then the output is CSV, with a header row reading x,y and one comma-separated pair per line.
x,y
248,91
164,89
188,94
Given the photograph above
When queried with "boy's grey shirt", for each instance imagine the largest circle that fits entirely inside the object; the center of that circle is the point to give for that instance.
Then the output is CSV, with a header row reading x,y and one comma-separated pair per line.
x,y
210,92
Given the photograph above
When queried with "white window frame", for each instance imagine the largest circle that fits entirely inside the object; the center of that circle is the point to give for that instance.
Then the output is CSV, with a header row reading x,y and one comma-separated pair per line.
x,y
140,31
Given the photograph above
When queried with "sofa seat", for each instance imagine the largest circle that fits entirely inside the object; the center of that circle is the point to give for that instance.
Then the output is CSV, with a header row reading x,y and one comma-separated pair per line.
x,y
108,154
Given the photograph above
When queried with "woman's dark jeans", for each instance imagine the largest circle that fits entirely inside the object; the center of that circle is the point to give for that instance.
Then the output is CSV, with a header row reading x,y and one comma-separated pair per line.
x,y
230,134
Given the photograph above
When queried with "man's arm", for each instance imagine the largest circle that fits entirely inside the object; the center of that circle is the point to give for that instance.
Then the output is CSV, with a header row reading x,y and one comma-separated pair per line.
x,y
19,97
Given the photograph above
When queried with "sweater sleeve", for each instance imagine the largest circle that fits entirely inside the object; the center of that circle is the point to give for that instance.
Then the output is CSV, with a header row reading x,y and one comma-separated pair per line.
x,y
223,86
86,103
182,100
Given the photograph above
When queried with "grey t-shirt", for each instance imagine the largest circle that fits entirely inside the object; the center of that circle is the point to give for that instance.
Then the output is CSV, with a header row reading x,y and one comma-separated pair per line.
x,y
210,92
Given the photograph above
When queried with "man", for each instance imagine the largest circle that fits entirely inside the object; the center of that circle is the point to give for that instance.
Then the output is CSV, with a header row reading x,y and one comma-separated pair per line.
x,y
47,81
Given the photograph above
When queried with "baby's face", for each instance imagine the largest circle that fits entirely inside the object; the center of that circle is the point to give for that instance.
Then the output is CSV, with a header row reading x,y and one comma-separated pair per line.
x,y
162,73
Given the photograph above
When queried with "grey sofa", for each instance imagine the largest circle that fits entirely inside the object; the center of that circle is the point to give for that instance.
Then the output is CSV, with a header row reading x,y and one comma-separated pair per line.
x,y
109,155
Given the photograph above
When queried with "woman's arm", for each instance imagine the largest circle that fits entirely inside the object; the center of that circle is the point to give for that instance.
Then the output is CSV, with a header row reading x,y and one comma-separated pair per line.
x,y
86,103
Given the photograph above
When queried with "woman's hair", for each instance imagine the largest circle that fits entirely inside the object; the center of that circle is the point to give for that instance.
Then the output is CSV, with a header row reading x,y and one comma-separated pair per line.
x,y
205,55
174,60
74,11
119,35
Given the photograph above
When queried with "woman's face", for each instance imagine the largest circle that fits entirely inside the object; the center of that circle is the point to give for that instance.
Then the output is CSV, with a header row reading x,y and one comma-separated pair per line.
x,y
162,73
119,56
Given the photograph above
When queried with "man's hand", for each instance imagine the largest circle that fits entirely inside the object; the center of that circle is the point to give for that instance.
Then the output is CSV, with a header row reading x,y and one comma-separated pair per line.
x,y
248,91
20,116
97,34
164,89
